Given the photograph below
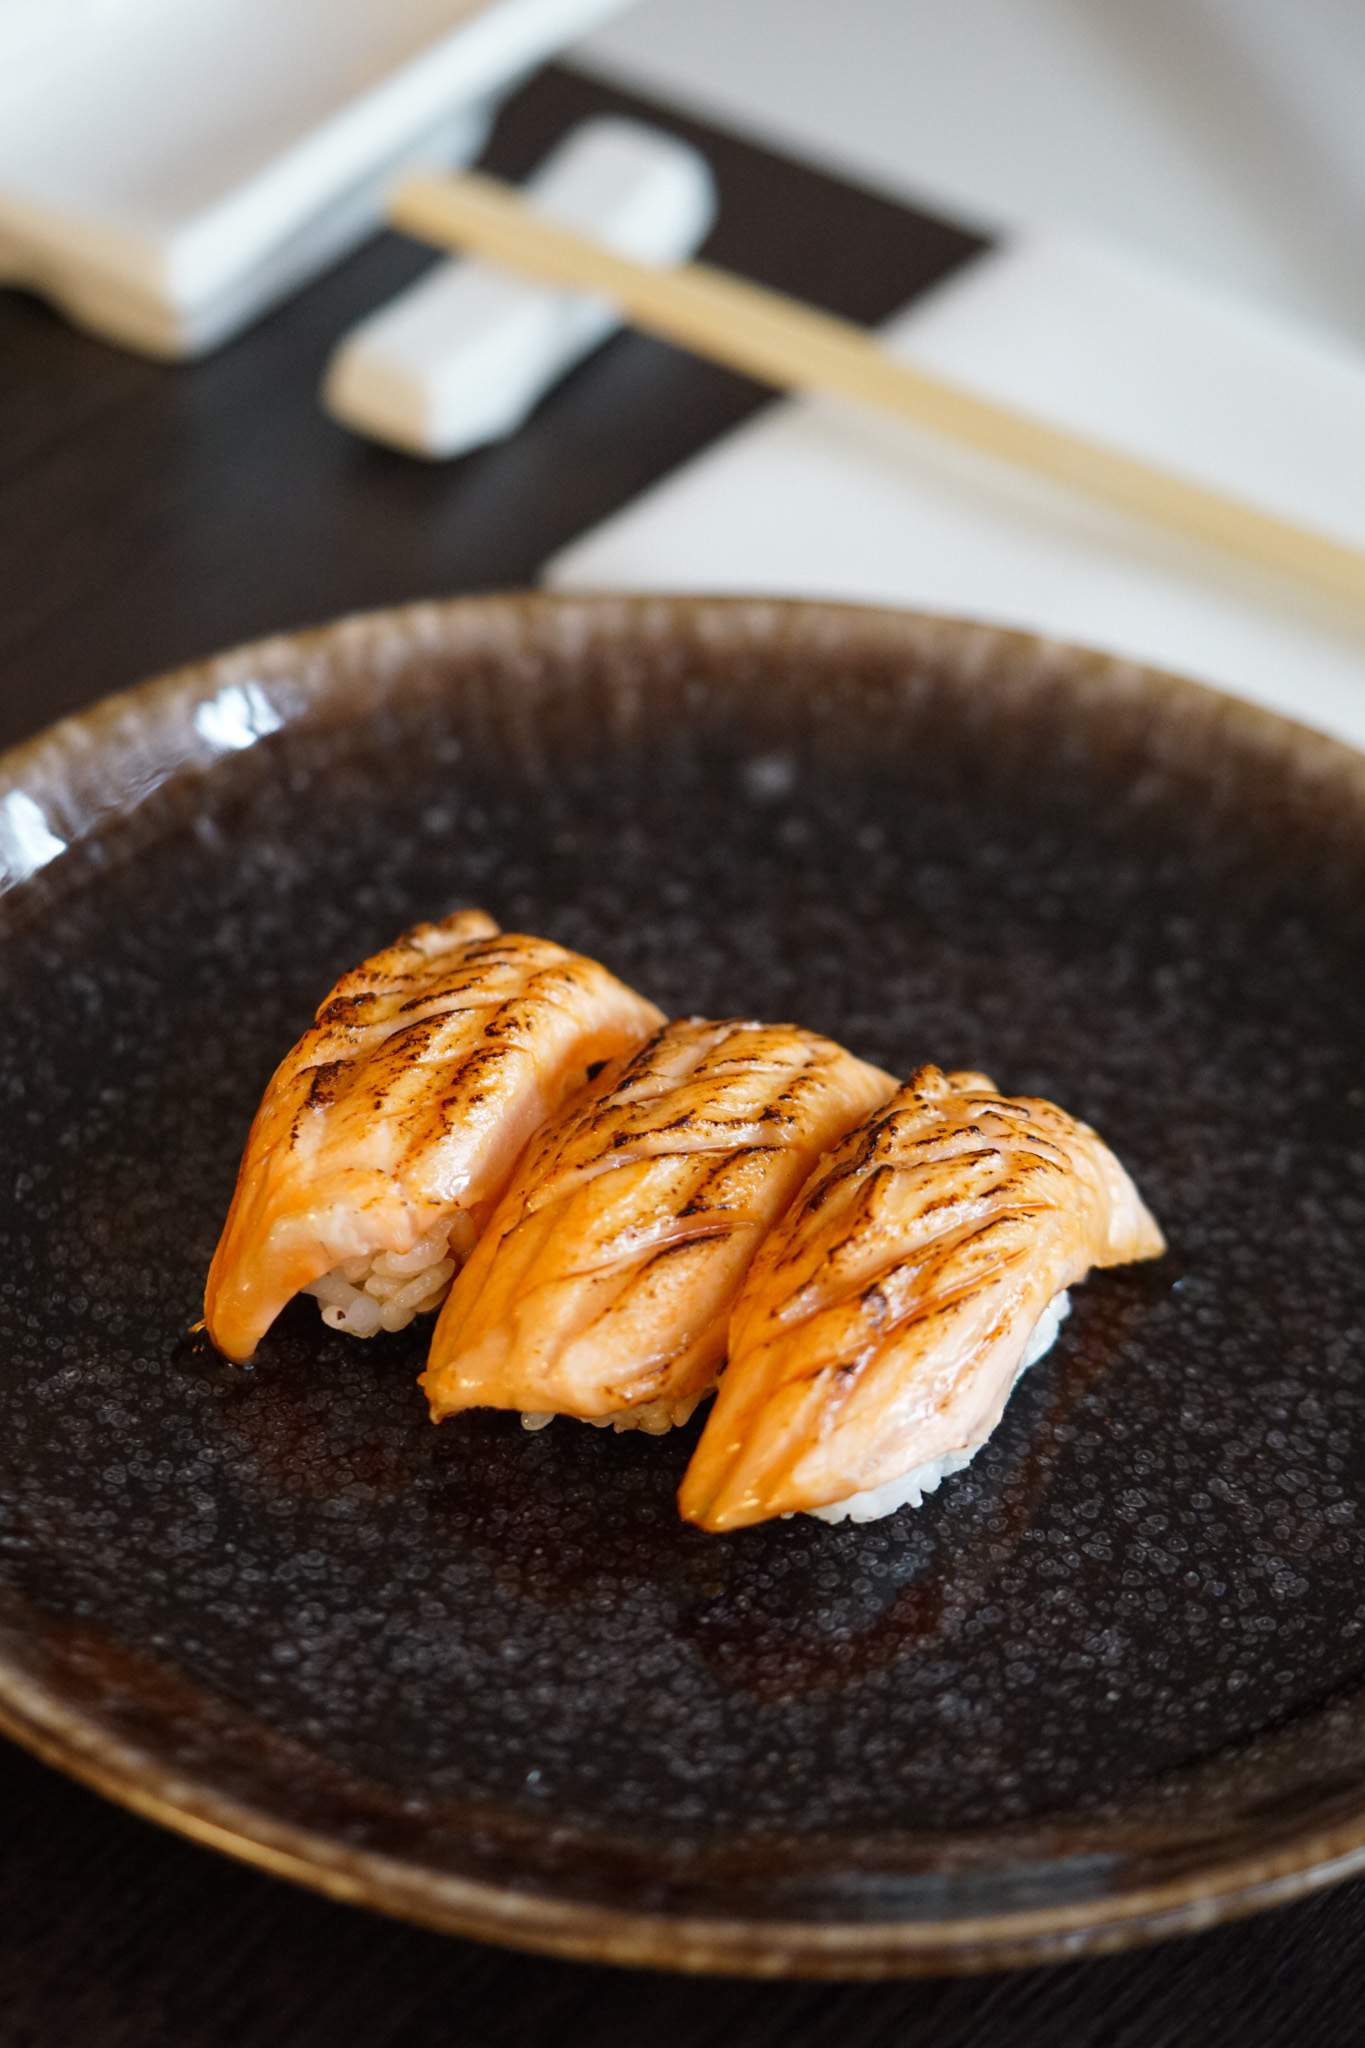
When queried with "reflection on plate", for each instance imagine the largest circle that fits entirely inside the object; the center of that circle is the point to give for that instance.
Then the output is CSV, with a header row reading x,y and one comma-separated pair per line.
x,y
1101,1686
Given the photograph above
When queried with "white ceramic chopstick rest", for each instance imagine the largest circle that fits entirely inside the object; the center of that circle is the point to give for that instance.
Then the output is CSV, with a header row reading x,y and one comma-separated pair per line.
x,y
464,355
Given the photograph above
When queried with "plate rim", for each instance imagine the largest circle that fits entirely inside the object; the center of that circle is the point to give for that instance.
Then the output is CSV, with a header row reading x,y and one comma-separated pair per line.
x,y
34,1714
521,1917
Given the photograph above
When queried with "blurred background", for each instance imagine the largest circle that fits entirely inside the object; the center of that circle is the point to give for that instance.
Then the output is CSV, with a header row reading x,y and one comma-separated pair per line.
x,y
1224,136
1141,224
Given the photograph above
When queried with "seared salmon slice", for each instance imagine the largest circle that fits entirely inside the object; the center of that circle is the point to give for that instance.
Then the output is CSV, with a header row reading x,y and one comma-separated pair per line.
x,y
887,1316
387,1134
603,1283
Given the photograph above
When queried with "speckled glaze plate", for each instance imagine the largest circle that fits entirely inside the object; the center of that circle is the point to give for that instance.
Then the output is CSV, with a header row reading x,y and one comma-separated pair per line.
x,y
1104,1685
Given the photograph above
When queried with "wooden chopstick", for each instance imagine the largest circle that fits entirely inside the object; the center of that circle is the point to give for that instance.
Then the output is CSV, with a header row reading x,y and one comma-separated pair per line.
x,y
796,347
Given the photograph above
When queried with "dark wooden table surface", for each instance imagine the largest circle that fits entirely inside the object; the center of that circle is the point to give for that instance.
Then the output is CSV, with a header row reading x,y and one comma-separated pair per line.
x,y
149,514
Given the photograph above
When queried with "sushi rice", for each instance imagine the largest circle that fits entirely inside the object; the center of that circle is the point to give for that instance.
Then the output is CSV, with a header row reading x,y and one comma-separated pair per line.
x,y
385,1290
909,1489
655,1418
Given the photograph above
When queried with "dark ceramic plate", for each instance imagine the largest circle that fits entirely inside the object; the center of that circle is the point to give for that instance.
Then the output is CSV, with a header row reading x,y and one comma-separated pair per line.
x,y
1104,1685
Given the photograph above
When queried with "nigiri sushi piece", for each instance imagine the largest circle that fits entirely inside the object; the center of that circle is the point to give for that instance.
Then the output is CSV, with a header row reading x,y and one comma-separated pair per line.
x,y
922,1266
387,1134
603,1283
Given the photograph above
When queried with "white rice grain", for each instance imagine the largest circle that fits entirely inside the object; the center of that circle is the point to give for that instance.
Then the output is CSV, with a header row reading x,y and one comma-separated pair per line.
x,y
362,1296
654,1418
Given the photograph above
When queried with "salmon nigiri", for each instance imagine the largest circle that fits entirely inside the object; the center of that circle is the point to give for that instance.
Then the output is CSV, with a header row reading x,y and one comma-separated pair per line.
x,y
923,1265
387,1134
602,1285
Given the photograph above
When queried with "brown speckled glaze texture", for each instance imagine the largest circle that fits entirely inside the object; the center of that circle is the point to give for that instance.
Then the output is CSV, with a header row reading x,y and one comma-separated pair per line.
x,y
1104,1683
